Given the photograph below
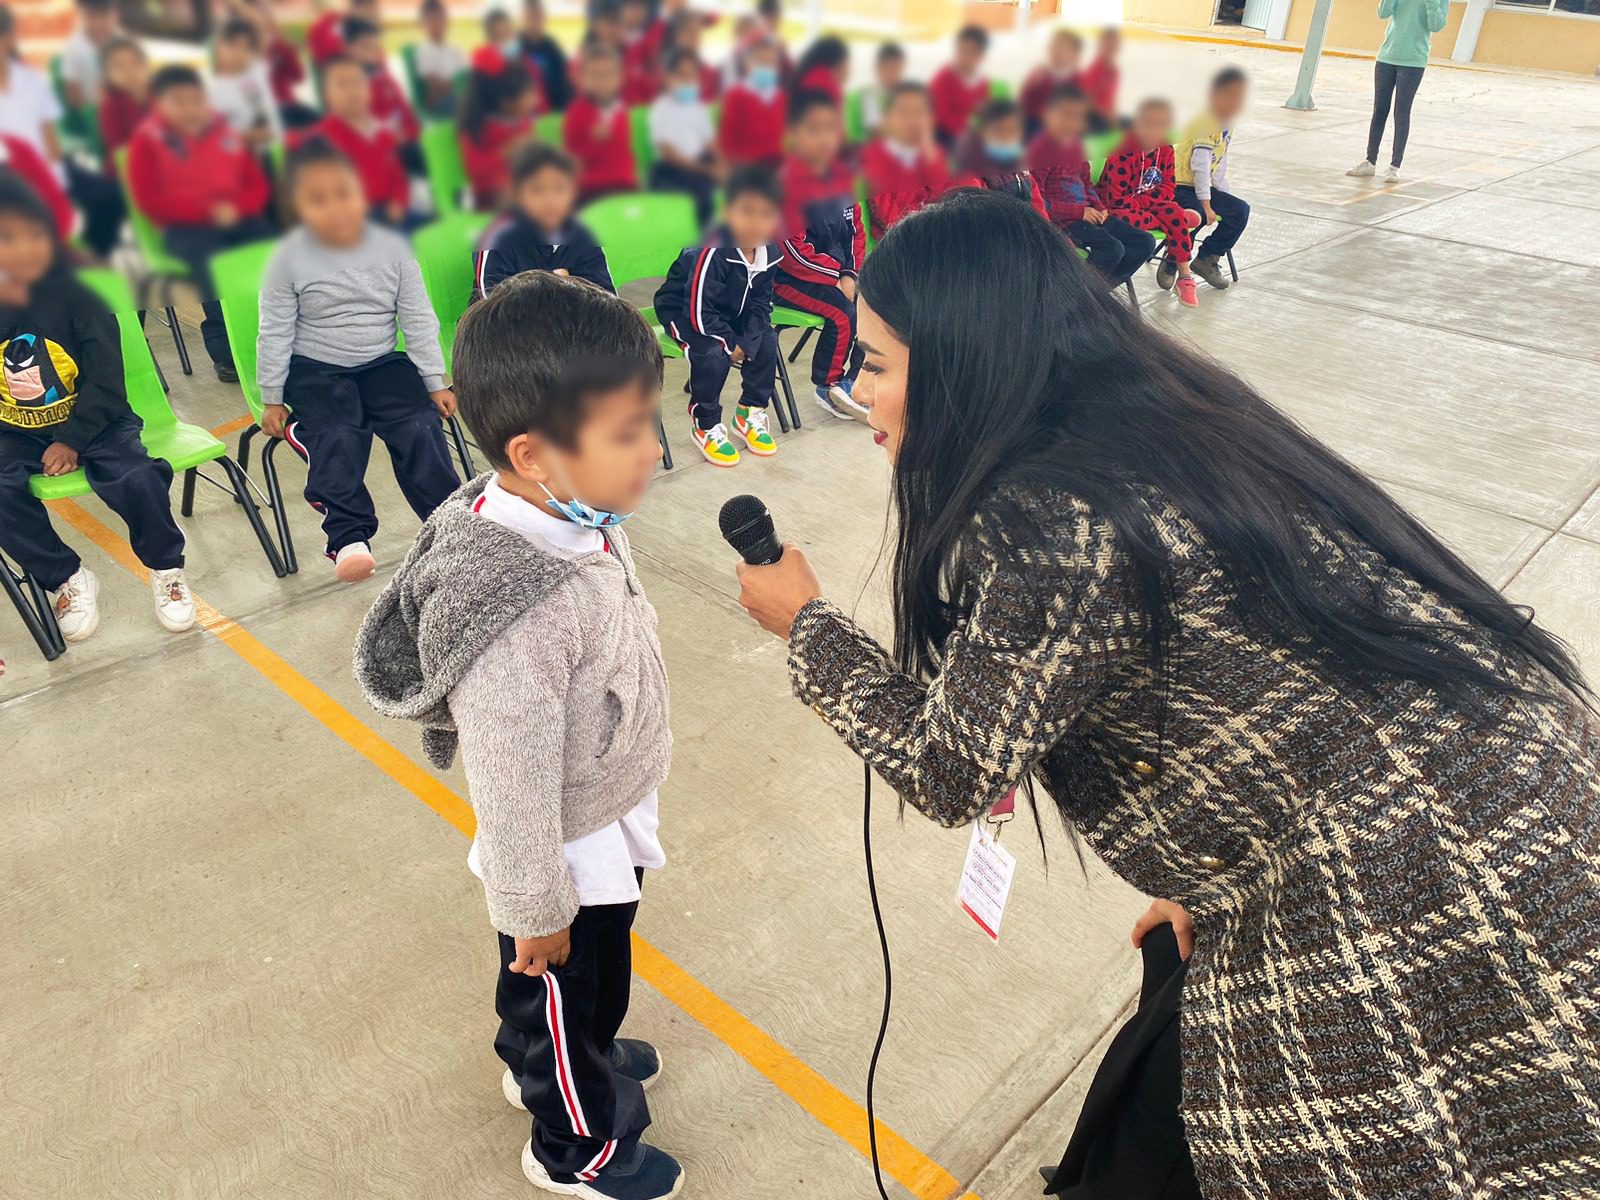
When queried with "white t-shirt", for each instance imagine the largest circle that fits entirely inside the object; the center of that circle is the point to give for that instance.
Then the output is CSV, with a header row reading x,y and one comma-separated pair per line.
x,y
27,104
80,65
683,125
439,60
245,100
602,863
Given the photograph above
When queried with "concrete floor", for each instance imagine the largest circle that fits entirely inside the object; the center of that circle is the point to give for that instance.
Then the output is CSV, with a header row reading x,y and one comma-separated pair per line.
x,y
246,958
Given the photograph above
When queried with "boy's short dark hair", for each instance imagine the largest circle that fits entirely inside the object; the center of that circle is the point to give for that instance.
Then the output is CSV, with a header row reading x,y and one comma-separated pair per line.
x,y
908,87
752,179
493,15
119,43
530,156
532,353
1228,77
769,8
976,34
991,112
431,8
1150,102
341,59
353,29
678,56
807,102
174,75
1071,35
1067,93
316,151
891,52
598,49
237,29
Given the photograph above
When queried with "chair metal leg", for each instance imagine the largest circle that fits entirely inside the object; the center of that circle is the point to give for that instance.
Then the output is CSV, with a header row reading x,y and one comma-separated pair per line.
x,y
187,507
459,437
160,374
1133,296
32,616
777,403
666,450
241,489
788,392
805,336
47,613
1232,268
245,439
280,517
177,340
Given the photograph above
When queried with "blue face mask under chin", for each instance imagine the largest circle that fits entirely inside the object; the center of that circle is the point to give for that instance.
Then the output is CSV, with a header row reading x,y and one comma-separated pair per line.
x,y
1004,151
686,93
763,79
582,514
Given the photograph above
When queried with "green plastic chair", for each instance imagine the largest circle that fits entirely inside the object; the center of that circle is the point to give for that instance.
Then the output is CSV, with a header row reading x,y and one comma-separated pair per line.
x,y
444,252
855,119
644,150
447,173
80,124
548,128
162,270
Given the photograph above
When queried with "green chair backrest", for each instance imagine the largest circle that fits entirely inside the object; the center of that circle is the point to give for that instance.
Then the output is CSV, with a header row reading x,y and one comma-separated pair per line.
x,y
855,119
145,234
146,396
641,232
445,254
548,128
644,152
1097,148
447,174
1000,89
408,60
238,274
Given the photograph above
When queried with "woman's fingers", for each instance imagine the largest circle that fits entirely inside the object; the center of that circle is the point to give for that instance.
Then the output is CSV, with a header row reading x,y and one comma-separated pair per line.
x,y
1165,912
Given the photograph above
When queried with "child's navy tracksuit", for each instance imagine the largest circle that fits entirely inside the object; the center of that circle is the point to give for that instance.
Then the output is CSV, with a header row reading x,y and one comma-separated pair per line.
x,y
713,302
825,241
514,244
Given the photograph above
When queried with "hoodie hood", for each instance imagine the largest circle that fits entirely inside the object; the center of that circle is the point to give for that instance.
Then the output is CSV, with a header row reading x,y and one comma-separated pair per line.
x,y
465,581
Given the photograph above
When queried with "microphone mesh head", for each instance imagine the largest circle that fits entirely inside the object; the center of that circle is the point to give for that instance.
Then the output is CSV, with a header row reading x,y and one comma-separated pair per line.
x,y
745,522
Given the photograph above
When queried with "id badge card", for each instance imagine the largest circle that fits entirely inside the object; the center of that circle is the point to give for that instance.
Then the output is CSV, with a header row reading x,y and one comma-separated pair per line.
x,y
986,878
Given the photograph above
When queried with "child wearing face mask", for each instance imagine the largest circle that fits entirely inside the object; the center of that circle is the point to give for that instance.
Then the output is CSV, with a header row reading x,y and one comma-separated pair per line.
x,y
518,634
684,139
991,155
754,111
338,291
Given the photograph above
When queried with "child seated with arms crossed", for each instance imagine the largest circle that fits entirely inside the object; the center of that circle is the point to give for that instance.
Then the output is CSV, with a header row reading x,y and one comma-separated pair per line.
x,y
64,405
496,112
1138,186
685,141
716,302
888,73
370,146
754,111
337,291
597,129
904,166
1202,173
517,632
1115,248
824,241
538,231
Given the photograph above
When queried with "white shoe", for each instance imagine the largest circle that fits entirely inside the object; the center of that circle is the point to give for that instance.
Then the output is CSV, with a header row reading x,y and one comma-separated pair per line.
x,y
827,403
354,563
842,394
78,605
1363,170
512,1091
174,604
1391,174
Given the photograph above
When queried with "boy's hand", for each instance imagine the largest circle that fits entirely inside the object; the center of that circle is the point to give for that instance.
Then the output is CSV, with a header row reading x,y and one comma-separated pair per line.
x,y
396,211
224,214
1095,216
444,402
59,459
535,954
562,271
274,417
1209,212
847,285
738,355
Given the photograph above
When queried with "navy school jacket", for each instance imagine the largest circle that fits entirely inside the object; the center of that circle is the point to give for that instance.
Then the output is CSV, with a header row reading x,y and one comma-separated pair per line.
x,y
514,244
711,292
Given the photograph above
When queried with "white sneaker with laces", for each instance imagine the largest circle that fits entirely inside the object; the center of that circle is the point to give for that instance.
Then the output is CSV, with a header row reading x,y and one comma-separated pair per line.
x,y
354,563
1363,170
842,394
174,604
832,407
78,605
1391,174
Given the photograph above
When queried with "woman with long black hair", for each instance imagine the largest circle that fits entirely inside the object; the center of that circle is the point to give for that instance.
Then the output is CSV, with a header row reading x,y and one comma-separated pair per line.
x,y
1257,688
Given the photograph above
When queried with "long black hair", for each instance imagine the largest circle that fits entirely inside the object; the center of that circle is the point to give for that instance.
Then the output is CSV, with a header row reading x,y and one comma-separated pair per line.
x,y
1041,380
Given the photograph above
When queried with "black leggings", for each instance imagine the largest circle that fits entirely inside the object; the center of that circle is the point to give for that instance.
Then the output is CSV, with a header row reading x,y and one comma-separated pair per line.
x,y
1401,83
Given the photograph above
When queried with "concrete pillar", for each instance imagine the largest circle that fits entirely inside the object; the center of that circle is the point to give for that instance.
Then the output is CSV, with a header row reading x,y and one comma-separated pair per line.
x,y
1310,57
1471,24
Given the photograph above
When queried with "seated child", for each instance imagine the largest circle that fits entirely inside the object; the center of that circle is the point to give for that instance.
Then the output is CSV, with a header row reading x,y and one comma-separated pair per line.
x,y
241,89
1099,80
546,56
325,35
1202,174
285,71
82,54
193,176
597,129
642,39
754,110
683,33
124,96
369,145
990,155
889,72
1115,248
824,242
364,43
439,65
538,231
825,68
64,405
716,302
526,576
903,166
34,170
683,137
337,292
1060,66
959,87
496,111
1138,186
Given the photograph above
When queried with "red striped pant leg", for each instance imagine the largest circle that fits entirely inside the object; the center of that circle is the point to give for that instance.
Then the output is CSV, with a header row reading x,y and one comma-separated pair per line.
x,y
837,338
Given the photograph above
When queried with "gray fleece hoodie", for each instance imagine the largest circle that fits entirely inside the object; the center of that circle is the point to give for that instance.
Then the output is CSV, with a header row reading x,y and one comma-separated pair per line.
x,y
546,673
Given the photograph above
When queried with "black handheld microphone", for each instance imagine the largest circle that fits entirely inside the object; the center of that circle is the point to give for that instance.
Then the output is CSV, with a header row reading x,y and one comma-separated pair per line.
x,y
747,526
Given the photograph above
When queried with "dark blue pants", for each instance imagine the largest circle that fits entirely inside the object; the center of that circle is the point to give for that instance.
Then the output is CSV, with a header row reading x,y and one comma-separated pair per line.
x,y
336,412
134,486
1116,249
1233,214
709,364
195,244
555,1034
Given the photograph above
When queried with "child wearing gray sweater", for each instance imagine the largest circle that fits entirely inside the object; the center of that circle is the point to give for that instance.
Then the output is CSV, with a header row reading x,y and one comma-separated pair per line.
x,y
517,632
338,292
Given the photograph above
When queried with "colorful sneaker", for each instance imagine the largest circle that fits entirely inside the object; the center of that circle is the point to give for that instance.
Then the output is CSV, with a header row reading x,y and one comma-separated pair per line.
x,y
843,393
1188,291
174,604
751,425
354,562
78,605
1363,170
714,444
630,1057
644,1173
832,407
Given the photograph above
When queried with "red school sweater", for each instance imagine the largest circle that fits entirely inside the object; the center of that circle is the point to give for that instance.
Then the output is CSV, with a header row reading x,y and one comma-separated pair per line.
x,y
1134,177
177,179
895,188
484,157
374,153
955,100
35,171
602,142
390,107
1062,173
1037,87
752,125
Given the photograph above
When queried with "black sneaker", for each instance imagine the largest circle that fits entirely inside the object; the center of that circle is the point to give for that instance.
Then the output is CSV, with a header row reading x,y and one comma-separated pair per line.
x,y
644,1173
637,1060
227,372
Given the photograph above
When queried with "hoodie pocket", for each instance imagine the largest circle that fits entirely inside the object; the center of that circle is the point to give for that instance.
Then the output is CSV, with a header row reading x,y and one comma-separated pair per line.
x,y
610,722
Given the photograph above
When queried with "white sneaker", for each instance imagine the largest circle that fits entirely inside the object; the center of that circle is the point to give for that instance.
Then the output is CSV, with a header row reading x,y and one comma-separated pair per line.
x,y
354,563
174,604
831,406
842,394
78,605
1391,174
1363,170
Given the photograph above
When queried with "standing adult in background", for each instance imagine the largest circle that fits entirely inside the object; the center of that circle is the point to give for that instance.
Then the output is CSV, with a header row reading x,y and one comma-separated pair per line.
x,y
1254,685
1398,73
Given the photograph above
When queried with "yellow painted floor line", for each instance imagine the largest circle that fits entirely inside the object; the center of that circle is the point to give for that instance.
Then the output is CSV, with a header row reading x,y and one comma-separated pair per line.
x,y
918,1173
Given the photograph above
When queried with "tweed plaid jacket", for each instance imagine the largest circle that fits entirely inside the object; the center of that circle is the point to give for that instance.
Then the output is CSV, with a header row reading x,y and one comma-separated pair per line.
x,y
1395,991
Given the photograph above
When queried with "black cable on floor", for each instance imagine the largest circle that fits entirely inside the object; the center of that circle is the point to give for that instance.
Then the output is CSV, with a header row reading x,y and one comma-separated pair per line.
x,y
883,942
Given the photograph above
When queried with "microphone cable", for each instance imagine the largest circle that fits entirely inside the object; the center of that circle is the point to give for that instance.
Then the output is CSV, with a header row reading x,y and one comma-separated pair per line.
x,y
888,981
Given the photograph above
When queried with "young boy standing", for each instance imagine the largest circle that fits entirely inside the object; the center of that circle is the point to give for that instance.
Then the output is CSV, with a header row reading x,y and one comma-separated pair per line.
x,y
1202,173
716,302
958,87
517,632
539,232
338,290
